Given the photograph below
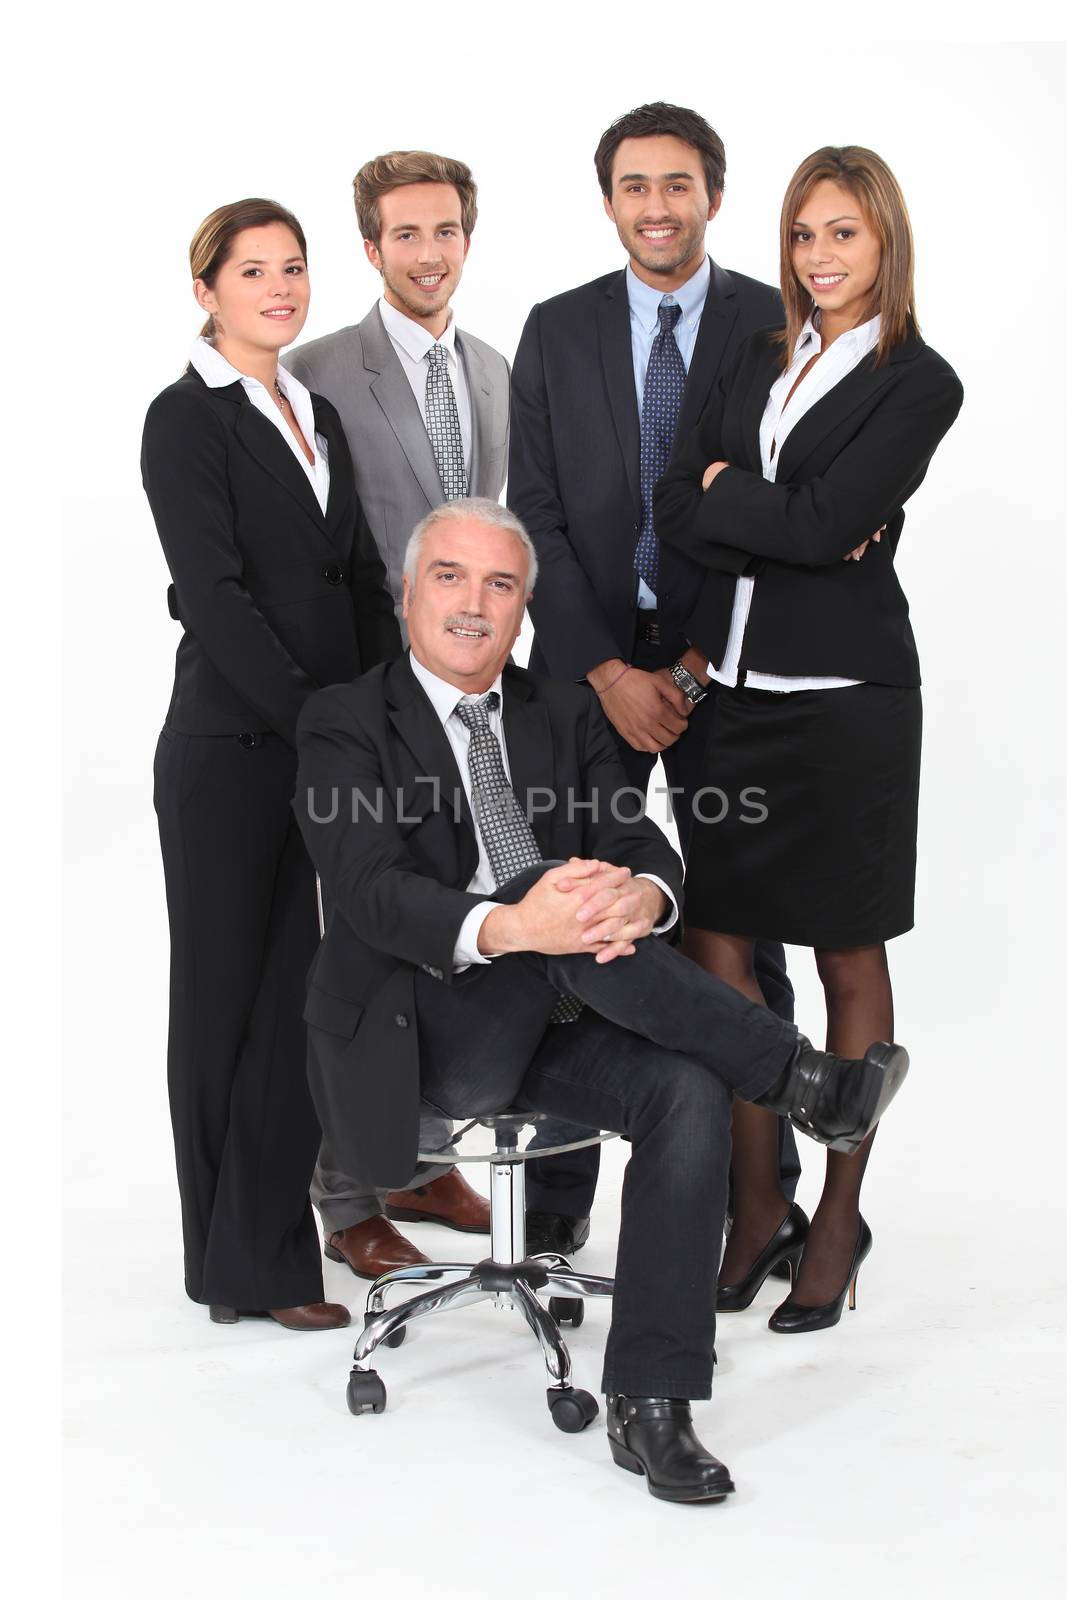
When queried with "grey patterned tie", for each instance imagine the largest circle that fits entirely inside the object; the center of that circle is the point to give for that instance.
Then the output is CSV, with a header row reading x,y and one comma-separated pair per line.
x,y
505,829
442,424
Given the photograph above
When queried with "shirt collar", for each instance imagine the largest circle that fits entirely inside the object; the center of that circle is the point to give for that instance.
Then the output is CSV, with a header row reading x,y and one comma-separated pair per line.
x,y
411,336
645,300
218,373
213,367
859,341
444,696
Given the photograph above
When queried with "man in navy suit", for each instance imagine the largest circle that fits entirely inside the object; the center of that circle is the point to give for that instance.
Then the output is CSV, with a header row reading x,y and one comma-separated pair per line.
x,y
606,377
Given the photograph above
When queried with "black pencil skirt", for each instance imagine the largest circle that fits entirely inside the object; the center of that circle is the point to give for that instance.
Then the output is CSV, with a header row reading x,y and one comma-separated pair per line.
x,y
805,829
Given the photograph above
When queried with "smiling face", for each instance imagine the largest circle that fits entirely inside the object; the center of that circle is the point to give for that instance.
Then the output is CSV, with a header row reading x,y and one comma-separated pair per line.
x,y
836,256
260,295
465,608
421,250
660,205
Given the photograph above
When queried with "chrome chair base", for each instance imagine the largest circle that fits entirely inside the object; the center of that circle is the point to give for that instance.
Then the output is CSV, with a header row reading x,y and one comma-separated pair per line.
x,y
508,1277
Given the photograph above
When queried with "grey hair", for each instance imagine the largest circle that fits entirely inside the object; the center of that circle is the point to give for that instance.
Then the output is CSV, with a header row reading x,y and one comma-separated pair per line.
x,y
473,508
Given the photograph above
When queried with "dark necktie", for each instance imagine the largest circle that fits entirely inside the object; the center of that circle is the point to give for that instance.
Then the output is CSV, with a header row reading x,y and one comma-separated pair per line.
x,y
664,386
442,424
504,827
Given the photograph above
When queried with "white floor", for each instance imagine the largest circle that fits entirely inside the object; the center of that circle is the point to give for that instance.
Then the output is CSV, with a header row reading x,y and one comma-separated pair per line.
x,y
915,1447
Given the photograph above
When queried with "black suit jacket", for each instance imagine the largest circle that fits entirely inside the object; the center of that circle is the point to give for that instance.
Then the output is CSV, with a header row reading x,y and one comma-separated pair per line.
x,y
574,470
276,599
845,469
395,862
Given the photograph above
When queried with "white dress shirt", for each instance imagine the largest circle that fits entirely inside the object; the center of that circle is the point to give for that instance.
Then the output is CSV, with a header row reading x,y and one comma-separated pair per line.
x,y
445,697
645,302
782,413
217,373
411,341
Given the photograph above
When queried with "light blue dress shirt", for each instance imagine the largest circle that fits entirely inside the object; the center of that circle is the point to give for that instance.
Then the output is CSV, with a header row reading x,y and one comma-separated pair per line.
x,y
644,326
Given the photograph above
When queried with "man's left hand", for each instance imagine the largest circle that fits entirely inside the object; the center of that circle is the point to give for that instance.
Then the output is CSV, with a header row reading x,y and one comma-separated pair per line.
x,y
615,908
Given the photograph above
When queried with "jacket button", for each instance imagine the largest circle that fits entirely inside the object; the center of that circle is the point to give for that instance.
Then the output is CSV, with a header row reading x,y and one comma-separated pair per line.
x,y
333,574
400,1020
248,741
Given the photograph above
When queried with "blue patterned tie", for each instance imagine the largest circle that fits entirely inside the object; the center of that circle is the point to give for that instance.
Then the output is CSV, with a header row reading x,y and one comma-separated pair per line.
x,y
504,826
664,386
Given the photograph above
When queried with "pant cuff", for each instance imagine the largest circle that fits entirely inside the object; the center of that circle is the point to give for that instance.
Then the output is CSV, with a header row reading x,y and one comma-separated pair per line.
x,y
643,1381
340,1214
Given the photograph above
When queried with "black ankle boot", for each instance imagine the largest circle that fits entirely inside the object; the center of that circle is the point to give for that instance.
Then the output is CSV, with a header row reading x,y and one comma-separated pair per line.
x,y
655,1438
833,1099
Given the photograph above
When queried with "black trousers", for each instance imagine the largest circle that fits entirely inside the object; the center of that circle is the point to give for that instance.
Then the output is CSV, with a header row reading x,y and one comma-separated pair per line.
x,y
243,929
566,1184
658,1055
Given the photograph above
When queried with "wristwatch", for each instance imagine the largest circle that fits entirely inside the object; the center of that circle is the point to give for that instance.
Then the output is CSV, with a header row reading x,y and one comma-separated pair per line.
x,y
691,687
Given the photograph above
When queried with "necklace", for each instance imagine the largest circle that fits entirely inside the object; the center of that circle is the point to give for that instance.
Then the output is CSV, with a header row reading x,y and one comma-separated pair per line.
x,y
280,392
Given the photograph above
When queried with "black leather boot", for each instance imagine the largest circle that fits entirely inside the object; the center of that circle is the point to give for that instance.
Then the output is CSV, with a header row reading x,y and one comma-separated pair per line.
x,y
655,1438
833,1099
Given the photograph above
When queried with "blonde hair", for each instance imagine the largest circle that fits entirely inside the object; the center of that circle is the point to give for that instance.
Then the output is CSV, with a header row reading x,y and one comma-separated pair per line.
x,y
401,167
213,241
868,179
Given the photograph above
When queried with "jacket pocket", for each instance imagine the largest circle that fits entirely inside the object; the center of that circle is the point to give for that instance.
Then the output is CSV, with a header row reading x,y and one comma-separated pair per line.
x,y
331,1013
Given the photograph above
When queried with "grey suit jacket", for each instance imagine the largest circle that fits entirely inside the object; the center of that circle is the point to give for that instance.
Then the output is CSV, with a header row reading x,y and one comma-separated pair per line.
x,y
396,475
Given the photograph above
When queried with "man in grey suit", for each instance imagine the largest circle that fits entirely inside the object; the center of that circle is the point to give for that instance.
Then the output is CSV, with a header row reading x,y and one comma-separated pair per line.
x,y
425,410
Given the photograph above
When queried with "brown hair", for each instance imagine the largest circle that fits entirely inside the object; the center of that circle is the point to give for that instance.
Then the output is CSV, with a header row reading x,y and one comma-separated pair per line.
x,y
867,178
213,240
658,117
401,167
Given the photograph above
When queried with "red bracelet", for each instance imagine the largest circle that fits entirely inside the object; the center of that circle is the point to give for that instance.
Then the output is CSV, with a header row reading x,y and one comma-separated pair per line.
x,y
614,681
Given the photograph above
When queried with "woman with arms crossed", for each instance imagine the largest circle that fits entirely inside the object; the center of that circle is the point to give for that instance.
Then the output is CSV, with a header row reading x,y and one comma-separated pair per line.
x,y
788,499
279,590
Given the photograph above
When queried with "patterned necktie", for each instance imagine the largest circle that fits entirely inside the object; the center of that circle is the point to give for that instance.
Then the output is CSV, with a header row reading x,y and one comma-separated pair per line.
x,y
664,385
505,829
442,424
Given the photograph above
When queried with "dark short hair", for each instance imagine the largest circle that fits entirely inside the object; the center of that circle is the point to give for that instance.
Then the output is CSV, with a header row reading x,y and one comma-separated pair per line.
x,y
399,168
659,117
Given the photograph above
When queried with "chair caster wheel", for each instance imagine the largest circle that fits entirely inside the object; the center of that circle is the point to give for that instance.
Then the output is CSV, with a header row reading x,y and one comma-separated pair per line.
x,y
366,1392
572,1409
567,1310
395,1339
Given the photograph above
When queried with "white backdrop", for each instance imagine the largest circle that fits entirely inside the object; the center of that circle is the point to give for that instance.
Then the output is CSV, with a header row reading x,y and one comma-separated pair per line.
x,y
187,114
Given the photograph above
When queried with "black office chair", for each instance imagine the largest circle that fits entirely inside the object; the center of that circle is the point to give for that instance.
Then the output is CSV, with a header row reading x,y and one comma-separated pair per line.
x,y
508,1277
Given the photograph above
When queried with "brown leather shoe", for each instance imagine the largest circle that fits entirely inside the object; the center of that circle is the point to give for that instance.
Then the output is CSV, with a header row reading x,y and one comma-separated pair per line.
x,y
449,1200
313,1318
301,1319
373,1247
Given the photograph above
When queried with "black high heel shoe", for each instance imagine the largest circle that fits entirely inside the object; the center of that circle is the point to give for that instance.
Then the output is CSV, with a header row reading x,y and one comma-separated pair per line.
x,y
793,1318
786,1244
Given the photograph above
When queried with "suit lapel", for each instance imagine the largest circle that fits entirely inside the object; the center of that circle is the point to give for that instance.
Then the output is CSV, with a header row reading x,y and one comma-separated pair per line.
x,y
418,725
342,481
529,740
616,354
392,391
716,325
857,388
481,398
264,443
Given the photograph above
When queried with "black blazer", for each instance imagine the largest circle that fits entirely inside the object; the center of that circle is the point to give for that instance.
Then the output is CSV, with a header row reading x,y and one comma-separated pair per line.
x,y
846,468
395,863
575,460
276,600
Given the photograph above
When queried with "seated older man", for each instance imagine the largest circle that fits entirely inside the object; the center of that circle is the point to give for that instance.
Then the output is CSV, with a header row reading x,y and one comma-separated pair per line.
x,y
424,789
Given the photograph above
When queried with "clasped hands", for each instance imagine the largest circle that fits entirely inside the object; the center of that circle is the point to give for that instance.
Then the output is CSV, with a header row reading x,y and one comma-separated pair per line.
x,y
579,907
712,470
